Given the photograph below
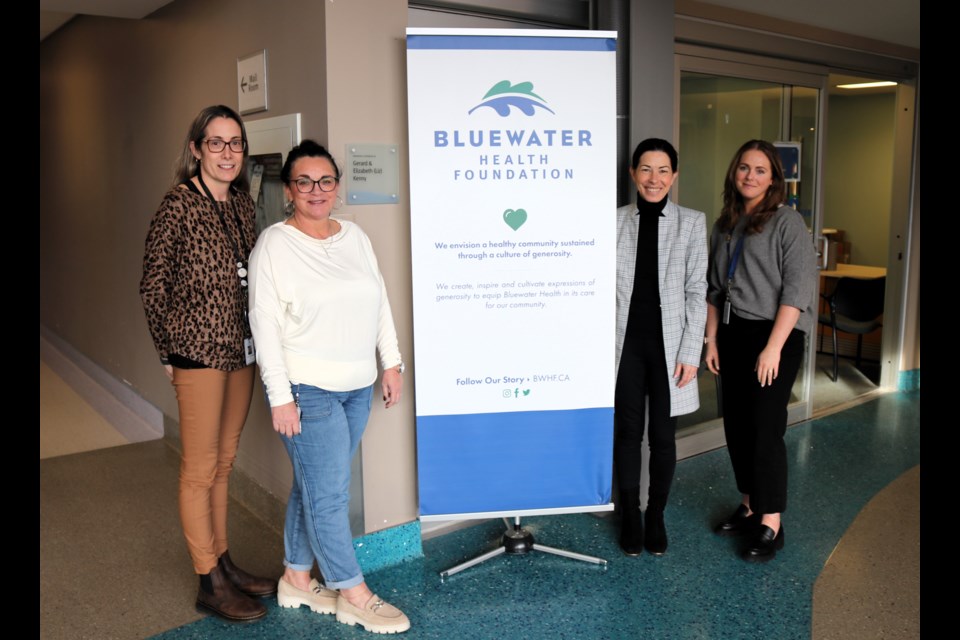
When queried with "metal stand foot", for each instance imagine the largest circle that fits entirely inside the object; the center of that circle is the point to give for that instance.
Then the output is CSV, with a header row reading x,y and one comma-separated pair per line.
x,y
518,541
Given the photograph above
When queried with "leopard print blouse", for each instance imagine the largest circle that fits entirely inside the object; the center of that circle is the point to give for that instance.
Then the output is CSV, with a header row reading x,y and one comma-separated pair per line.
x,y
190,290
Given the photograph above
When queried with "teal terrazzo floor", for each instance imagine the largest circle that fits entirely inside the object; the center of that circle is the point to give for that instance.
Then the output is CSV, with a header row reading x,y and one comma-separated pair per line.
x,y
699,589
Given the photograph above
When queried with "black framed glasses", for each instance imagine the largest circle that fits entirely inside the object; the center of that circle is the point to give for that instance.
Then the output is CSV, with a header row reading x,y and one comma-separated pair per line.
x,y
217,145
326,183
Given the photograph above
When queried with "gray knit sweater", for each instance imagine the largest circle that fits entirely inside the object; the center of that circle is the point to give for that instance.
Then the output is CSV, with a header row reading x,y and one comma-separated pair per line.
x,y
777,267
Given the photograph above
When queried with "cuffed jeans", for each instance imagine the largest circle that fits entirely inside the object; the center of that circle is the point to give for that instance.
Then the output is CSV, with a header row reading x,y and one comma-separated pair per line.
x,y
318,523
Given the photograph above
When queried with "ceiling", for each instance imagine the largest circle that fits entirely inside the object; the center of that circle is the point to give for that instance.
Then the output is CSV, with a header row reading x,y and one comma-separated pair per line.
x,y
896,21
56,13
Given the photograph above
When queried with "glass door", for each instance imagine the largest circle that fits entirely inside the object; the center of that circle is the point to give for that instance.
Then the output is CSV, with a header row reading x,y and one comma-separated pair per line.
x,y
722,104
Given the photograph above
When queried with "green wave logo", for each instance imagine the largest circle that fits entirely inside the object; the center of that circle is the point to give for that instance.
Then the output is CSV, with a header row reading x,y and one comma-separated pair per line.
x,y
504,96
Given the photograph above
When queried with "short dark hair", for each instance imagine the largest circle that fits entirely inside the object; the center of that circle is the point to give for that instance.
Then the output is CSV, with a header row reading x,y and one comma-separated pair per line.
x,y
655,144
306,149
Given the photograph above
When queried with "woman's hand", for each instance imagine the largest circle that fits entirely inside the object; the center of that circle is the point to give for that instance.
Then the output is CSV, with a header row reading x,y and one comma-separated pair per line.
x,y
768,362
713,358
684,373
768,365
286,419
392,387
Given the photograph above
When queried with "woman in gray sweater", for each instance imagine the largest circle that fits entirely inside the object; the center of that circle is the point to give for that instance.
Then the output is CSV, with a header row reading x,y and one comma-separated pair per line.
x,y
761,284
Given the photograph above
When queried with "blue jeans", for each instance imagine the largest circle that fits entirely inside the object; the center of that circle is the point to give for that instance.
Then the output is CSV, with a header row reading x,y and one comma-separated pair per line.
x,y
318,524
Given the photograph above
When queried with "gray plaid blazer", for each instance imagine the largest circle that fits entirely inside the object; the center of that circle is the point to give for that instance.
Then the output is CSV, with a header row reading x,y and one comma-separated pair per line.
x,y
682,263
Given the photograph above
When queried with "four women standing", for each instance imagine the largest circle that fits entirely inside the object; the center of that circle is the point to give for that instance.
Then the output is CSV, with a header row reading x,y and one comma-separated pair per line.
x,y
320,313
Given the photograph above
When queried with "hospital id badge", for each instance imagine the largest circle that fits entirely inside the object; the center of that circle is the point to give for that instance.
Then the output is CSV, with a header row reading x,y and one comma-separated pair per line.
x,y
726,311
249,351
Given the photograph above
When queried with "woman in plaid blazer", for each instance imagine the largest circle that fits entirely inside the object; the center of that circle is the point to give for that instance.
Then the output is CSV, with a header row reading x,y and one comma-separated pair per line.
x,y
661,313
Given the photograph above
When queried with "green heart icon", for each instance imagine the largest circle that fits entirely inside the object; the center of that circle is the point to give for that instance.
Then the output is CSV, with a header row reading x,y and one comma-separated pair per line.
x,y
515,218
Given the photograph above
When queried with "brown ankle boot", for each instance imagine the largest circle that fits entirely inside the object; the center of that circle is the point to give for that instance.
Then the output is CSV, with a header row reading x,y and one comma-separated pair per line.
x,y
248,584
219,595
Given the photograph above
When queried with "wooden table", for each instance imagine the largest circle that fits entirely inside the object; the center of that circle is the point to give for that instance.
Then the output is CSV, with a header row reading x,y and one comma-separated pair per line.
x,y
858,271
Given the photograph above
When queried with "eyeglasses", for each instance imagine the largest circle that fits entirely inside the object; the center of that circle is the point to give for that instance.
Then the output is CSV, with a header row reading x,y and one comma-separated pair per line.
x,y
326,183
217,145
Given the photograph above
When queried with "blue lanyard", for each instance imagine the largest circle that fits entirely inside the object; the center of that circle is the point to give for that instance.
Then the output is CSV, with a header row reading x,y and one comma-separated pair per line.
x,y
734,259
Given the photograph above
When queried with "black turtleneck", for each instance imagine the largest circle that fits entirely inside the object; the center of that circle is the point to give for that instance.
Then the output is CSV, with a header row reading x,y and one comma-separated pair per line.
x,y
644,320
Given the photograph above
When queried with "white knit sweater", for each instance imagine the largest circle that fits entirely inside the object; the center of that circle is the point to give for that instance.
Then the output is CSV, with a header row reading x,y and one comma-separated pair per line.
x,y
318,311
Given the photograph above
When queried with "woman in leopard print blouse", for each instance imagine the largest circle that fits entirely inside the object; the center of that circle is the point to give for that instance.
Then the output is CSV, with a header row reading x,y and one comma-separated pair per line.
x,y
194,295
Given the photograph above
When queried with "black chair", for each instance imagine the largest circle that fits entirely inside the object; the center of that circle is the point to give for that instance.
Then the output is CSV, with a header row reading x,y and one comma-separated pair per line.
x,y
856,306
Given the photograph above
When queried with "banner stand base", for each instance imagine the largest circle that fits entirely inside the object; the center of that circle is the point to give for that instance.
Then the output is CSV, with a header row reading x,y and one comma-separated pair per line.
x,y
518,541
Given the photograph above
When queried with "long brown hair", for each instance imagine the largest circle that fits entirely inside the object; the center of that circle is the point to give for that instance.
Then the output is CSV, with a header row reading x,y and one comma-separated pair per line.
x,y
188,166
733,205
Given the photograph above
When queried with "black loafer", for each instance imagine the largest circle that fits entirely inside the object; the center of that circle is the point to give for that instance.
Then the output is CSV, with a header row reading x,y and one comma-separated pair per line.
x,y
738,523
765,546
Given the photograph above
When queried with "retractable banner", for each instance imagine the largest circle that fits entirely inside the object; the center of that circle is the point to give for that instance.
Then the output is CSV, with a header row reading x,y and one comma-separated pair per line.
x,y
513,236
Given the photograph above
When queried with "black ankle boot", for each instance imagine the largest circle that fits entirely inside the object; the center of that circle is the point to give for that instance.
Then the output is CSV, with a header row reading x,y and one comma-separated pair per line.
x,y
631,523
655,537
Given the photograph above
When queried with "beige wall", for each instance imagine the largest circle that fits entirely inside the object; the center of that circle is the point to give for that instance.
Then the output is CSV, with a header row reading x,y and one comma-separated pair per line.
x,y
858,173
366,103
116,98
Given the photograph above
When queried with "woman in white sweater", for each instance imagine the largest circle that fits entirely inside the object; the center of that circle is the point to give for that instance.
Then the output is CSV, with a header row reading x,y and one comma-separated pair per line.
x,y
319,313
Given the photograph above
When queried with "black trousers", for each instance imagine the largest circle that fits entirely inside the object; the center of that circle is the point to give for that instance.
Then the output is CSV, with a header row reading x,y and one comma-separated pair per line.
x,y
643,372
755,417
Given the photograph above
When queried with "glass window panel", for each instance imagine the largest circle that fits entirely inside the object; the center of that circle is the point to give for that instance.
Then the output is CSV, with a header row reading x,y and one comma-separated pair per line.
x,y
717,115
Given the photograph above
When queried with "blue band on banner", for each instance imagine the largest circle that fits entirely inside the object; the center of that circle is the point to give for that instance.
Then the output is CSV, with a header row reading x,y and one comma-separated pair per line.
x,y
511,43
514,461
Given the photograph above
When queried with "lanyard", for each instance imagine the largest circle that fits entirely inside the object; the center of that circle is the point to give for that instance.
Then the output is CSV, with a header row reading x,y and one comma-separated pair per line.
x,y
237,255
734,259
731,268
